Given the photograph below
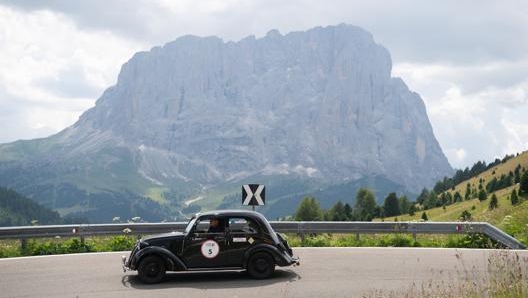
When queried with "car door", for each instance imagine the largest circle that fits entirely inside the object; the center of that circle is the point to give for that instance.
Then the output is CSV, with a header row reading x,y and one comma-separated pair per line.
x,y
202,249
243,233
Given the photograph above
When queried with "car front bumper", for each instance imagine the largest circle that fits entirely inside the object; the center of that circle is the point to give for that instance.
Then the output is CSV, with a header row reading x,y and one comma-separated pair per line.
x,y
124,261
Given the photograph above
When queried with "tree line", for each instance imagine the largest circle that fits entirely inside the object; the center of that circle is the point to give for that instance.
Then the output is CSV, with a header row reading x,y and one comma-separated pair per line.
x,y
364,209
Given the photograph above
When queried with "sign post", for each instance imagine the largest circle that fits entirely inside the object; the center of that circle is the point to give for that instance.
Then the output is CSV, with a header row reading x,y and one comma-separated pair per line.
x,y
253,195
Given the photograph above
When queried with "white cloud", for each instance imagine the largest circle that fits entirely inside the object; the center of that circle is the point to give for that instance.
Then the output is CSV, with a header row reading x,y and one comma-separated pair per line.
x,y
475,115
460,155
50,71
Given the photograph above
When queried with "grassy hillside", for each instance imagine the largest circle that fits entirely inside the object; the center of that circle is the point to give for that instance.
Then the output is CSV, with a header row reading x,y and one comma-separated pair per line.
x,y
511,219
495,172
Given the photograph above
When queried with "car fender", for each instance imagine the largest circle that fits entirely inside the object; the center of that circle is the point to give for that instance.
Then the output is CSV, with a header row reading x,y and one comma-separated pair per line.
x,y
278,256
174,262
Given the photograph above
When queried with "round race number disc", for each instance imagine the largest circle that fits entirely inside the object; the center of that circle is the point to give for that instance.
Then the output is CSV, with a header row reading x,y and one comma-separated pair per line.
x,y
210,249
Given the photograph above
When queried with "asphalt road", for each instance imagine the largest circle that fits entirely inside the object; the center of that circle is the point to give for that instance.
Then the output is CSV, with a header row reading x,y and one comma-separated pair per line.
x,y
324,272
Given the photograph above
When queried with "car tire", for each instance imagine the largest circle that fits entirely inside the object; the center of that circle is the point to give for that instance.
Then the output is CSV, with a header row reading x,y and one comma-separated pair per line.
x,y
261,265
151,269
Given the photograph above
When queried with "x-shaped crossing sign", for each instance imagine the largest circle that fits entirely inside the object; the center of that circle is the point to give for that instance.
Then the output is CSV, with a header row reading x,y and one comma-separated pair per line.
x,y
253,194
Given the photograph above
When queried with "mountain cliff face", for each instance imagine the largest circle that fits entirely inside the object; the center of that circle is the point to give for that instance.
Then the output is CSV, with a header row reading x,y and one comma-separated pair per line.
x,y
198,114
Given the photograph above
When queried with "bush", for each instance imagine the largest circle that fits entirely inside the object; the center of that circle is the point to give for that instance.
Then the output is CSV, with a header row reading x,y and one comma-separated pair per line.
x,y
397,241
476,240
316,241
119,243
465,216
9,249
77,246
56,246
39,247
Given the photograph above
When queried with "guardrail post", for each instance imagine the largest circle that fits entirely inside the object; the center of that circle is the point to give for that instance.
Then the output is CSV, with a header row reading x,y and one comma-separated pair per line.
x,y
302,237
23,244
357,237
78,230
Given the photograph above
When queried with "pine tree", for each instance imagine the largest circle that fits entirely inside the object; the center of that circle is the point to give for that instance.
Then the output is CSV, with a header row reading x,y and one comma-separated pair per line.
x,y
348,212
424,216
431,201
423,195
492,185
467,196
482,195
308,210
523,186
457,197
365,205
517,174
337,212
412,209
404,204
391,206
514,198
446,199
493,202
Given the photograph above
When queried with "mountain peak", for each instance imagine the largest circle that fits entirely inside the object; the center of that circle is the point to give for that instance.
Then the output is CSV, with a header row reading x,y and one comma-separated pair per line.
x,y
274,33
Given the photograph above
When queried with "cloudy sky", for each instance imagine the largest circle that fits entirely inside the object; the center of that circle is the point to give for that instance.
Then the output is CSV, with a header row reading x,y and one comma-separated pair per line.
x,y
467,59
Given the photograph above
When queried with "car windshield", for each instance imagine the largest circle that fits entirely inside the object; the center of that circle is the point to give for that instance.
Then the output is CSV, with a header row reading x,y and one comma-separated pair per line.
x,y
190,225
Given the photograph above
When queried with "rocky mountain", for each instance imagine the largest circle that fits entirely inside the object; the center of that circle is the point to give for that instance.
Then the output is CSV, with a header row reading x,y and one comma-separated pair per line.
x,y
188,123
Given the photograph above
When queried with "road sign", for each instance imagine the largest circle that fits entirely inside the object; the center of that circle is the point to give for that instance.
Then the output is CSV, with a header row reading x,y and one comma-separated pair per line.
x,y
253,194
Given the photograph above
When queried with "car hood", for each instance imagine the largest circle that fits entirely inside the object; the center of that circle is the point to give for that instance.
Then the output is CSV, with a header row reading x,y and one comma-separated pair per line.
x,y
163,236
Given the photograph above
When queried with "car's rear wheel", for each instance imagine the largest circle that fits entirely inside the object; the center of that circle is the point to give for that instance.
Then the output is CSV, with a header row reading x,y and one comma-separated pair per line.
x,y
151,269
261,265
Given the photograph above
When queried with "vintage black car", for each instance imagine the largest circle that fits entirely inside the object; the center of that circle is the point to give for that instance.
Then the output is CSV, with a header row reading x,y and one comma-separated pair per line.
x,y
242,240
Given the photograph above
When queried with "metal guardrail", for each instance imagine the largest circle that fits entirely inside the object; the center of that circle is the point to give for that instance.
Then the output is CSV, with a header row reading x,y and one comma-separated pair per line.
x,y
299,227
413,228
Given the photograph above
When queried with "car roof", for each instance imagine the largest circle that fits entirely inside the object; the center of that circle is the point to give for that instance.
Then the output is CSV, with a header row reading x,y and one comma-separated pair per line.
x,y
231,212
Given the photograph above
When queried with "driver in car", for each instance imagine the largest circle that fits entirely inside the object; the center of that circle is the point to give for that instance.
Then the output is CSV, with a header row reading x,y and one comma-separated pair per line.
x,y
215,226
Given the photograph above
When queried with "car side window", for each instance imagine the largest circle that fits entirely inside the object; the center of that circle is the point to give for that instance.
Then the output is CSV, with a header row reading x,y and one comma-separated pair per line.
x,y
201,226
243,225
210,225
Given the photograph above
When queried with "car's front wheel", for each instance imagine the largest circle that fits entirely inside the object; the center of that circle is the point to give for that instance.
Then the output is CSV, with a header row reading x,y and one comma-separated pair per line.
x,y
261,265
151,269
